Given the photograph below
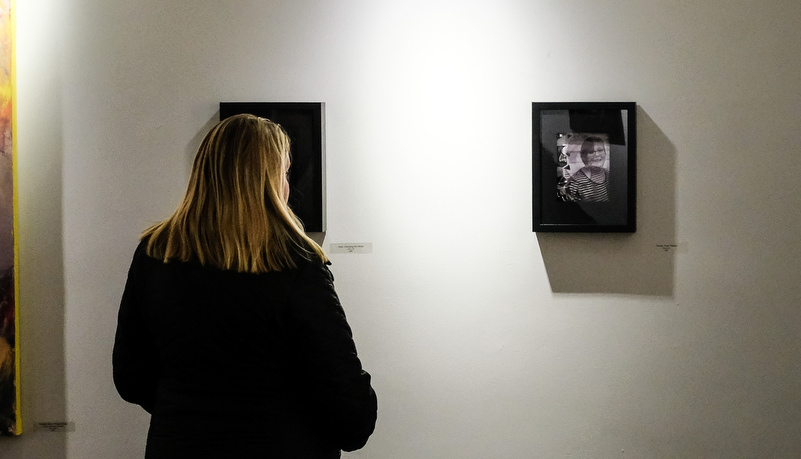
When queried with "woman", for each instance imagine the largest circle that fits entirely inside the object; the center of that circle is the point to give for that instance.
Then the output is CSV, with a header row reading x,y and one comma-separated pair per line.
x,y
230,333
591,182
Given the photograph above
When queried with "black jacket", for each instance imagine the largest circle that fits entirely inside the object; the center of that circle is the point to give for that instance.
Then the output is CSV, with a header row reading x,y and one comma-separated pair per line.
x,y
240,365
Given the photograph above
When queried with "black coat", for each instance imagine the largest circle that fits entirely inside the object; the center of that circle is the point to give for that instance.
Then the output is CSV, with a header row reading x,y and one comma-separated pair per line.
x,y
240,365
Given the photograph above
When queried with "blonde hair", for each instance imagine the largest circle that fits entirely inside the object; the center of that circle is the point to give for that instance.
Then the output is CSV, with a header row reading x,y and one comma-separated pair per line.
x,y
234,215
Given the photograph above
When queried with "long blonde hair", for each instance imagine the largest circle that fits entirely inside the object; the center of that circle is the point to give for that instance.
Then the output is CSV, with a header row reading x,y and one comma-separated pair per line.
x,y
234,215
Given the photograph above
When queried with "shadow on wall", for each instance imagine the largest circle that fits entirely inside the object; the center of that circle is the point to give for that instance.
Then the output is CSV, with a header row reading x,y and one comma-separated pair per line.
x,y
638,263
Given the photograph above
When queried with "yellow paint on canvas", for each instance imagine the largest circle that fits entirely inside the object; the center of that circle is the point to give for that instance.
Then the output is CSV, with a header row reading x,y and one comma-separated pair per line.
x,y
9,255
13,96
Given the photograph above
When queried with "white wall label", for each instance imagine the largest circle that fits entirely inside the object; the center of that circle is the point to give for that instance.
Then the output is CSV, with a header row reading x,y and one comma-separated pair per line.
x,y
352,247
60,426
681,247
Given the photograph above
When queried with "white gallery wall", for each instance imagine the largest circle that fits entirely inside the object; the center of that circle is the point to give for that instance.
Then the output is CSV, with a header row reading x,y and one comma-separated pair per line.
x,y
484,339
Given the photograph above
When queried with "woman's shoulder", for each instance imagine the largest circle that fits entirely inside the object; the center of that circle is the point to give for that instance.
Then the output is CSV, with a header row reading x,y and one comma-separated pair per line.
x,y
141,247
311,267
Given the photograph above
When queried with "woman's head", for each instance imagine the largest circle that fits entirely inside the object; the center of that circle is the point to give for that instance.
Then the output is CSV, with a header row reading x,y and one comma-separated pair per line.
x,y
593,151
235,214
243,161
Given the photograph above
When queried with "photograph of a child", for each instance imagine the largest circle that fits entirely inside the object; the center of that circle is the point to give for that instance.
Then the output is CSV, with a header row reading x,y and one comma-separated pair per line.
x,y
583,167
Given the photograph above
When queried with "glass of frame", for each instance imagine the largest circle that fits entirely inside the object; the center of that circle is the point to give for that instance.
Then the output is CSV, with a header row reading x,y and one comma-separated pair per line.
x,y
584,166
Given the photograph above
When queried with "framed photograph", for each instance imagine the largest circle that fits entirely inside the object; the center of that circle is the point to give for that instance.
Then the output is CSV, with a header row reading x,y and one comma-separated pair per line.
x,y
584,166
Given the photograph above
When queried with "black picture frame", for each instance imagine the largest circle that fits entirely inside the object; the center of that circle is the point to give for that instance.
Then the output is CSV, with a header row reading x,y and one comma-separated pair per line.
x,y
584,166
304,122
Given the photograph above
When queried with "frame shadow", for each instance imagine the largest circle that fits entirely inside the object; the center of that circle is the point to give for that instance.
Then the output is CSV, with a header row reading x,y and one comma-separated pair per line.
x,y
640,263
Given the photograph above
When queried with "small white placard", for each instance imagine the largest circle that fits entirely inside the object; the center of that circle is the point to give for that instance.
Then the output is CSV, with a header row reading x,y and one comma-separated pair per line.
x,y
352,247
681,247
60,426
